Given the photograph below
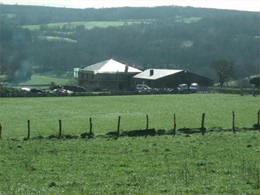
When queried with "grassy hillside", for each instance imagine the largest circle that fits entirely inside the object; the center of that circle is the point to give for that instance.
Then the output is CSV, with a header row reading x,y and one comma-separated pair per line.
x,y
58,39
59,34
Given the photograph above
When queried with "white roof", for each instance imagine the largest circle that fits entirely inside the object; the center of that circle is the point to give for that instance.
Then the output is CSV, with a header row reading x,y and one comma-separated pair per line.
x,y
153,74
111,66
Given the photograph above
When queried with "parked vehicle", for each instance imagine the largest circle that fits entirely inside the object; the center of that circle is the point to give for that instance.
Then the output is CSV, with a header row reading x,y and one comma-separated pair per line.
x,y
142,87
183,87
194,87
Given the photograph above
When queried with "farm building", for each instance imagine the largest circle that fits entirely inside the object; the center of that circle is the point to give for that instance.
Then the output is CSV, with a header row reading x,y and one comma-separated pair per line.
x,y
168,78
109,74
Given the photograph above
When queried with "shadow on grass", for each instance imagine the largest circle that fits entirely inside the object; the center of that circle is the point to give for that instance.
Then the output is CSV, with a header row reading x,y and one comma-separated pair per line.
x,y
147,132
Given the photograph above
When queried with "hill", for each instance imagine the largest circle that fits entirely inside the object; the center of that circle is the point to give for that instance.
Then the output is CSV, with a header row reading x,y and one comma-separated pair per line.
x,y
40,39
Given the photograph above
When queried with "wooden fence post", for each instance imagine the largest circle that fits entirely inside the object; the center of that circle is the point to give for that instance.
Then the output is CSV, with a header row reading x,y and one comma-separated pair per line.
x,y
233,122
118,125
147,121
90,126
29,129
203,129
174,124
60,129
258,120
0,131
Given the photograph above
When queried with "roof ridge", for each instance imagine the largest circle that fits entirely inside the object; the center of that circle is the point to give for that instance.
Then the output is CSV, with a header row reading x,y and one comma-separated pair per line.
x,y
109,66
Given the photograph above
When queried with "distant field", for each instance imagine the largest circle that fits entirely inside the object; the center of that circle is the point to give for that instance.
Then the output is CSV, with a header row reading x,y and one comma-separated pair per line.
x,y
188,20
62,36
87,25
41,79
56,38
74,112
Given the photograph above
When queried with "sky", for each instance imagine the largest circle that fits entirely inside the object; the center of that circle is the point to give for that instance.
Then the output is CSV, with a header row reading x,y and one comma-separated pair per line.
x,y
245,5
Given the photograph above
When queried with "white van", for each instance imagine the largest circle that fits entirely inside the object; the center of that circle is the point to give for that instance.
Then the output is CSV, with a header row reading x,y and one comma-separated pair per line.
x,y
194,87
182,87
142,87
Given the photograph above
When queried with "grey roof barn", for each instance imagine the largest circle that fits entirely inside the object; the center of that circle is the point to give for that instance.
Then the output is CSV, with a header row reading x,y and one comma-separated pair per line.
x,y
107,75
169,78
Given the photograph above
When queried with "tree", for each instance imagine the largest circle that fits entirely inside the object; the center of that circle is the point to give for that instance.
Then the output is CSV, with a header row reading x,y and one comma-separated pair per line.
x,y
255,81
224,69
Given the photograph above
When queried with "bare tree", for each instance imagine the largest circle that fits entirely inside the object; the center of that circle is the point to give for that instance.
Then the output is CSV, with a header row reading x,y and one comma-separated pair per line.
x,y
255,81
224,69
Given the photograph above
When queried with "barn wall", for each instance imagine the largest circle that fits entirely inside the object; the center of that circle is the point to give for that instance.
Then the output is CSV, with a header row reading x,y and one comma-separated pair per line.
x,y
174,80
105,81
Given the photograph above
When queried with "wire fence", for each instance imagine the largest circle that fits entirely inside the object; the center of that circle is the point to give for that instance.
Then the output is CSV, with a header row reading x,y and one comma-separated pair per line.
x,y
146,131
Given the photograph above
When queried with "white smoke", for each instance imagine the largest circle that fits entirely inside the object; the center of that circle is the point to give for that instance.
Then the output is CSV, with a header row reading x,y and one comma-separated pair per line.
x,y
24,72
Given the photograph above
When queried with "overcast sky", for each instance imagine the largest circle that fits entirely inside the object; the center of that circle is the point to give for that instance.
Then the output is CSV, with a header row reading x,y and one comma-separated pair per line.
x,y
247,5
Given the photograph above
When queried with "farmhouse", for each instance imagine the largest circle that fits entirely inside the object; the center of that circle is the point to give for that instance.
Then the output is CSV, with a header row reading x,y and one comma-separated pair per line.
x,y
109,74
169,78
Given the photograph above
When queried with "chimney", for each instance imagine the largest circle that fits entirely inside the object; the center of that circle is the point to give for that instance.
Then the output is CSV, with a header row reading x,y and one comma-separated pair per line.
x,y
151,72
126,68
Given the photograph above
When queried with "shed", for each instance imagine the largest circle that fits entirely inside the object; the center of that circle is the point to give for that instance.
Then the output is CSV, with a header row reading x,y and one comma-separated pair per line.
x,y
169,78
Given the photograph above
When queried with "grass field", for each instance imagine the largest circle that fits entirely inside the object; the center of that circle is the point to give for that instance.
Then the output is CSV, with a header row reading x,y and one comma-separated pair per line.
x,y
74,112
86,24
57,38
219,162
37,79
188,20
216,163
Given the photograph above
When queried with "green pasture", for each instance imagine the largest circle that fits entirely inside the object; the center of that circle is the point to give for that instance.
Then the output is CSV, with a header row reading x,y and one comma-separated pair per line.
x,y
188,20
220,162
86,24
75,112
216,163
37,79
56,38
